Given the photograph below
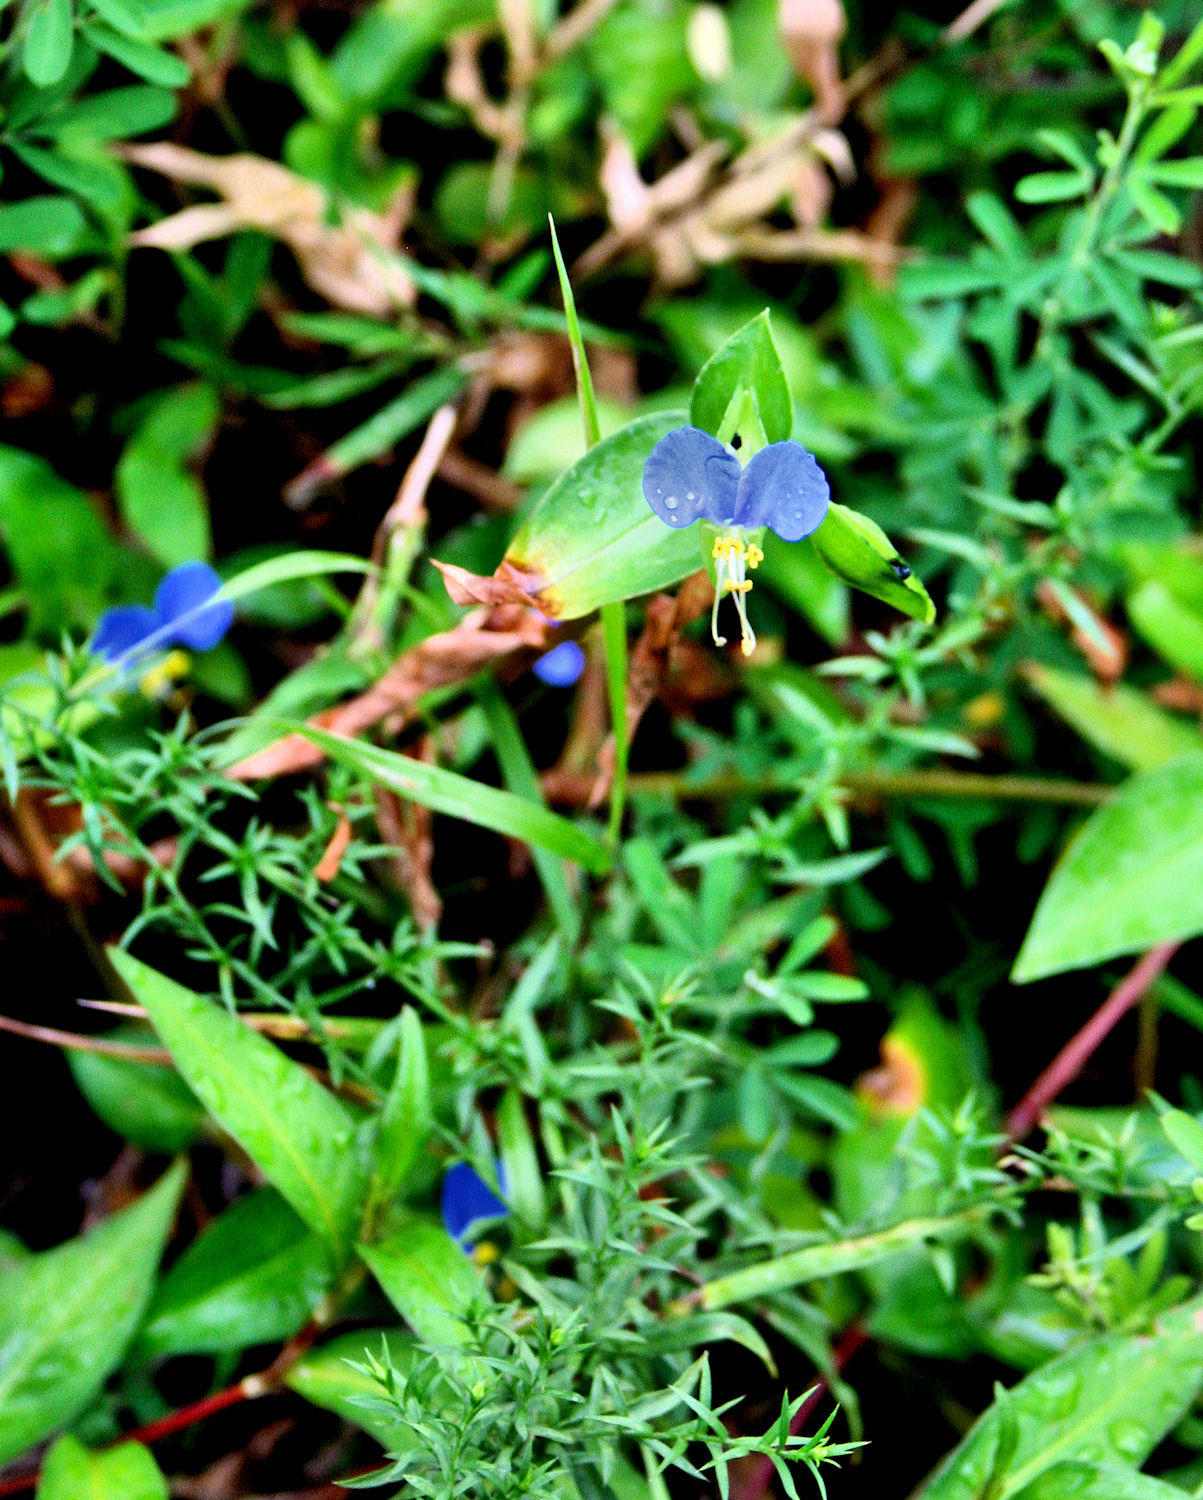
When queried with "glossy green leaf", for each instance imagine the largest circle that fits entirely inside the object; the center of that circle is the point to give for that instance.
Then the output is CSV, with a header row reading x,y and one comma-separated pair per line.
x,y
296,1131
253,1276
459,797
859,552
161,500
144,1102
405,1119
748,359
127,1472
143,58
1118,720
1132,877
48,41
1092,1482
1105,1403
327,1376
427,1277
592,538
67,1315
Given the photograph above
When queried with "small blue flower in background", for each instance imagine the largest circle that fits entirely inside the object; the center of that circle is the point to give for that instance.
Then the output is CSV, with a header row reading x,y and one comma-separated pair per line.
x,y
690,476
179,617
467,1198
561,666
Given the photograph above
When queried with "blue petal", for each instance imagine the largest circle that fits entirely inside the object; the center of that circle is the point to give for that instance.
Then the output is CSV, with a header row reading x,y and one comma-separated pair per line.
x,y
784,488
561,666
120,630
690,474
467,1198
183,591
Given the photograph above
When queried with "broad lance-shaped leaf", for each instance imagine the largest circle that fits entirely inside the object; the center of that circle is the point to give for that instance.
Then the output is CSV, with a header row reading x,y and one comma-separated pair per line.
x,y
1107,1403
253,1276
592,539
748,359
1132,877
1095,1482
333,1377
857,550
67,1315
427,1277
296,1131
127,1472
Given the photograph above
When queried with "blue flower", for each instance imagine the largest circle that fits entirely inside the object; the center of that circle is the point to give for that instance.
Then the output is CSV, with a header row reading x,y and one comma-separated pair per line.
x,y
561,666
690,476
181,617
467,1198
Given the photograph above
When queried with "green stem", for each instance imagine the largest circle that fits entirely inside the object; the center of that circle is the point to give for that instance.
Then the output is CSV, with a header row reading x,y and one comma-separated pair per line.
x,y
884,784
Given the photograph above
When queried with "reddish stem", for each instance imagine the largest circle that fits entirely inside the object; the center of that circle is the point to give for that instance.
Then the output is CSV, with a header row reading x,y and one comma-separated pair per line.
x,y
758,1475
1077,1052
176,1421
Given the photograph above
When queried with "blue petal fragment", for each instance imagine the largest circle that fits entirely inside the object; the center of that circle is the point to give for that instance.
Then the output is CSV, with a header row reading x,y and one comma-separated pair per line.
x,y
466,1199
783,488
561,666
689,474
185,590
122,629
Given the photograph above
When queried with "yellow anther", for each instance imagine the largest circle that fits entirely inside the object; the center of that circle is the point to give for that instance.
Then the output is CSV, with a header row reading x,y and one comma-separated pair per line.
x,y
485,1253
755,556
738,588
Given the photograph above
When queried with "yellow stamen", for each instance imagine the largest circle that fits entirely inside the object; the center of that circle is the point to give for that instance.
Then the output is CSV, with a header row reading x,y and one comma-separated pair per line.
x,y
484,1253
733,557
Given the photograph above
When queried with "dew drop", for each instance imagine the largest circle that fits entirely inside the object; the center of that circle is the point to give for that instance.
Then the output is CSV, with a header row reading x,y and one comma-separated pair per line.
x,y
671,502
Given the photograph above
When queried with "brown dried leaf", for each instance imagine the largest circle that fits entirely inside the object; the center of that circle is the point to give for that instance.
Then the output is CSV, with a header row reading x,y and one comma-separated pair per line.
x,y
811,31
335,259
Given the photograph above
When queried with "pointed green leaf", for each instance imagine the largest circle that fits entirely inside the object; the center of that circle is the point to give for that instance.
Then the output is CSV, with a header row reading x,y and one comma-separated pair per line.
x,y
1118,720
48,42
296,1131
460,797
405,1120
328,1377
748,359
1131,878
253,1276
1109,1403
859,552
142,1101
127,1472
67,1315
1092,1482
592,538
427,1277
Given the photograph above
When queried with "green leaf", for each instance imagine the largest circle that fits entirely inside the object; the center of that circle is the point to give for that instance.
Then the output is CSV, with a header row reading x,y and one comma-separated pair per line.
x,y
1185,1134
520,1158
254,1276
143,1102
165,19
405,1120
67,1315
859,552
427,1277
1118,720
1109,1403
46,225
296,1131
459,797
328,1379
592,539
113,115
1131,878
144,58
814,1262
1053,187
1091,1482
1172,626
127,1472
48,42
161,501
748,359
1186,172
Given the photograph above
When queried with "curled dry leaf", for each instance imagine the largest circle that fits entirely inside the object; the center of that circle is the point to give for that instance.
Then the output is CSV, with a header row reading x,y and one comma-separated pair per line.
x,y
811,31
336,260
483,638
